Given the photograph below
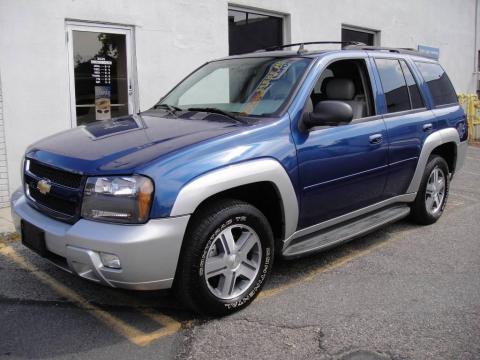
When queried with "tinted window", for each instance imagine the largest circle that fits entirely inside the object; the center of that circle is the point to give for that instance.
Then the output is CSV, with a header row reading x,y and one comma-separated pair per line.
x,y
355,35
415,96
248,31
394,86
439,84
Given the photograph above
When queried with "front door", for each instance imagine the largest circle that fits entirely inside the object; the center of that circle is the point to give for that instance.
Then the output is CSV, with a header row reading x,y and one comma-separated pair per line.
x,y
343,168
101,79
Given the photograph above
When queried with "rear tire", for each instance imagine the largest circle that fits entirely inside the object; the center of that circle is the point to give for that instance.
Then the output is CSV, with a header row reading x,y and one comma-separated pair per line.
x,y
226,258
433,192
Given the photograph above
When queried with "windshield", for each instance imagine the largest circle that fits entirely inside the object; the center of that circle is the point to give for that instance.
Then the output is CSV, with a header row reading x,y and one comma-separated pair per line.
x,y
247,86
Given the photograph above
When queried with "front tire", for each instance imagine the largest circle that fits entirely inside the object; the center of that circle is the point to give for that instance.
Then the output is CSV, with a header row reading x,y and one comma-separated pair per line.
x,y
433,192
226,258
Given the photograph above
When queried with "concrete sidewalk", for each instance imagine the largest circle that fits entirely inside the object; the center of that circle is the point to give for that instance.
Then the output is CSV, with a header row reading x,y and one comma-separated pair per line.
x,y
6,222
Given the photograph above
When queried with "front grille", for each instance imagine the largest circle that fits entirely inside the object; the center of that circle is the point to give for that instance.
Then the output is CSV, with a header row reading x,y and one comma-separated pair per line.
x,y
52,202
63,201
57,176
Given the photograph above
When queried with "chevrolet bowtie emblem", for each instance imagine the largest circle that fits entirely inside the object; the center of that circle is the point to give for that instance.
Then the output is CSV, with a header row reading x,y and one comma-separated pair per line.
x,y
44,186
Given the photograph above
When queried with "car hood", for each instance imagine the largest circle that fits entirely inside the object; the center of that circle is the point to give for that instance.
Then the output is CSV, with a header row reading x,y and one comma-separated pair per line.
x,y
124,144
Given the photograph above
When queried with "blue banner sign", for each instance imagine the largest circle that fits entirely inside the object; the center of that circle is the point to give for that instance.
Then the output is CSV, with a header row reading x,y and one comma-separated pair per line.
x,y
429,51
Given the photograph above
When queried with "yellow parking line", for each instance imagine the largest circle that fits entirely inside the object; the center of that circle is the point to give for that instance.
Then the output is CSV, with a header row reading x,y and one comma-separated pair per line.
x,y
135,336
169,327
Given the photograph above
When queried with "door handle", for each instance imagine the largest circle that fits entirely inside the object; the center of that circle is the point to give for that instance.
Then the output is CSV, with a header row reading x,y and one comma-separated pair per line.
x,y
427,127
375,139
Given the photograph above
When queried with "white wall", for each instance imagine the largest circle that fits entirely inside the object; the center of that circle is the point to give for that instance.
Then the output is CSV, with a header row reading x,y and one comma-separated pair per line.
x,y
446,24
174,36
3,158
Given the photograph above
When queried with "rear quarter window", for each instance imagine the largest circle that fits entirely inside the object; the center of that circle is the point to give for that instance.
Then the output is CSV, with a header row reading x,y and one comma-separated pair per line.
x,y
438,83
394,85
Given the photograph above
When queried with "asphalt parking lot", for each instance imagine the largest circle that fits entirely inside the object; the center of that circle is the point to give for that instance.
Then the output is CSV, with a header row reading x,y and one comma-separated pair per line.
x,y
404,292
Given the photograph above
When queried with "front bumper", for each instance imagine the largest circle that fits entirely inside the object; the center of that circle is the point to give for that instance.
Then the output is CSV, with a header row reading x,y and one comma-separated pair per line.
x,y
148,253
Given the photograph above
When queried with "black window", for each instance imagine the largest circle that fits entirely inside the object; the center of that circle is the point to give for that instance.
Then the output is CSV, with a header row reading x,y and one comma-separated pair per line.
x,y
394,86
439,84
367,38
415,96
248,31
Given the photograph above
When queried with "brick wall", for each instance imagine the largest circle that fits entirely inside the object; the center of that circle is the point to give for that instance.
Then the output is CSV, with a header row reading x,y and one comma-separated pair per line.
x,y
4,196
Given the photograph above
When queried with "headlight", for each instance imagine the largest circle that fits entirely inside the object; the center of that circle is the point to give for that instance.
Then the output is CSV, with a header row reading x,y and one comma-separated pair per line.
x,y
123,199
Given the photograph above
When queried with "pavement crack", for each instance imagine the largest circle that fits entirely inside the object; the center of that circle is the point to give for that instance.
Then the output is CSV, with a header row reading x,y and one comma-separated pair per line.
x,y
281,326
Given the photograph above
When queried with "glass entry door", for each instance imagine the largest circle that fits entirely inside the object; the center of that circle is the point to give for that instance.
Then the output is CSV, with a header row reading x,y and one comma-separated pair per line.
x,y
101,85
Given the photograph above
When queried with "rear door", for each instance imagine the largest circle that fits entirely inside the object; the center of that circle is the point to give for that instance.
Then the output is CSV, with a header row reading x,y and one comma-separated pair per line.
x,y
407,119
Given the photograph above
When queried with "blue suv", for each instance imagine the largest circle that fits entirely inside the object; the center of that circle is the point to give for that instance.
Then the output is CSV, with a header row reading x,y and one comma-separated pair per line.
x,y
250,157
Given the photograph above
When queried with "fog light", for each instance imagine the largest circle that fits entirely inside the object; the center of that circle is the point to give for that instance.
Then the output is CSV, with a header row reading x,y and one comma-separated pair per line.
x,y
109,260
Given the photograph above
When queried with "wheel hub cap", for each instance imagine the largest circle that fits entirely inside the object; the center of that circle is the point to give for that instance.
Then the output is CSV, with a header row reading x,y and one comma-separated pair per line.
x,y
435,192
233,261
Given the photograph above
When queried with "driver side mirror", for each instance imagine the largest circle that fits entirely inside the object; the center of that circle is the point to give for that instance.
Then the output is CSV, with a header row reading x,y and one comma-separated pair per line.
x,y
327,113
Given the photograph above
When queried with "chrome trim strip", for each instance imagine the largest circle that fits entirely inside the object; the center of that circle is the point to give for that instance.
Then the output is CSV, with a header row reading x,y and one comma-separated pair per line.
x,y
345,177
433,140
349,216
404,112
249,172
444,106
403,160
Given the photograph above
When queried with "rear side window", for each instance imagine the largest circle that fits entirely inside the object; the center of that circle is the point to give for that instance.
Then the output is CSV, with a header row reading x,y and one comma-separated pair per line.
x,y
415,96
438,83
394,85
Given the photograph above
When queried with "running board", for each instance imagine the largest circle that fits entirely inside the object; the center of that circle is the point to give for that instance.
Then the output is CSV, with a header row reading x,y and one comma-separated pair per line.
x,y
329,237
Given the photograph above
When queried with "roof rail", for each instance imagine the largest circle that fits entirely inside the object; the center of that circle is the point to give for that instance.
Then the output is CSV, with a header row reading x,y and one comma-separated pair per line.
x,y
301,45
407,51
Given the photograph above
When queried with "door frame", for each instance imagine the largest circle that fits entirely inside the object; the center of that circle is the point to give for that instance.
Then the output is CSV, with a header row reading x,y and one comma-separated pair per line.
x,y
128,31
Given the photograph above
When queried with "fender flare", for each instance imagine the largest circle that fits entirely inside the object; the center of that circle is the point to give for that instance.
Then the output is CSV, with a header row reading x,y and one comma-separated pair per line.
x,y
232,176
432,141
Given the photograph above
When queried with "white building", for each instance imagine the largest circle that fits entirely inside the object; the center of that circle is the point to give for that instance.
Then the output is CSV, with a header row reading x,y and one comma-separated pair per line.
x,y
144,47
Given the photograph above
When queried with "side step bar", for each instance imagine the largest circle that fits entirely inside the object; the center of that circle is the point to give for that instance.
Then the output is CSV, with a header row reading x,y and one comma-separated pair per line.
x,y
329,237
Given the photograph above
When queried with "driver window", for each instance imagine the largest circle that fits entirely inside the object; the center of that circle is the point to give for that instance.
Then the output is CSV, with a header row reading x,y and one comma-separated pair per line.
x,y
346,81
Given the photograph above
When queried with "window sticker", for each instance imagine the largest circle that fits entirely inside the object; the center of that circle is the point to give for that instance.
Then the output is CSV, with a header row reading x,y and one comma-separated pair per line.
x,y
102,103
103,92
276,71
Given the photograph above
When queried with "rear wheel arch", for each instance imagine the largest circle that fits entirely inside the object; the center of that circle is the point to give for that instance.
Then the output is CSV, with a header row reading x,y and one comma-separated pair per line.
x,y
448,151
440,143
251,181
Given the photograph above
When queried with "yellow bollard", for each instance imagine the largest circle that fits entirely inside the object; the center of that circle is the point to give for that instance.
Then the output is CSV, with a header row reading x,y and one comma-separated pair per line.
x,y
471,105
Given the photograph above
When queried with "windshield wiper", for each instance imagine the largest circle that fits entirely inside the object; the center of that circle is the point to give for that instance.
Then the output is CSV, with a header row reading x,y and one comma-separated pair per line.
x,y
170,108
220,112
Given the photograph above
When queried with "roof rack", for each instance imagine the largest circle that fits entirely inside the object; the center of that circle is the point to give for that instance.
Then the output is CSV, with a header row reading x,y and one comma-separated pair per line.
x,y
302,49
407,51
